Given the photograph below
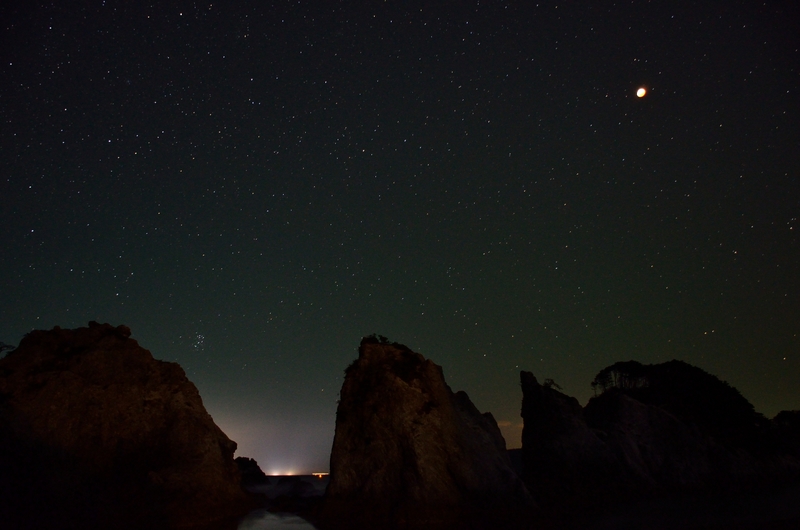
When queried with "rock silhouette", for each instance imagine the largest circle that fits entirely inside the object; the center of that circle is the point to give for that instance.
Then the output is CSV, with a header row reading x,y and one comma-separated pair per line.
x,y
408,452
94,432
564,460
250,471
652,430
787,425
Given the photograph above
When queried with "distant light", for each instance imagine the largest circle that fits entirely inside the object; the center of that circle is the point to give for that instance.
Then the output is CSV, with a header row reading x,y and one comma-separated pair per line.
x,y
320,475
641,92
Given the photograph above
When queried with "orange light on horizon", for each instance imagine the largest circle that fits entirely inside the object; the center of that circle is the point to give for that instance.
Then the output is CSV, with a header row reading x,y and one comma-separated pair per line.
x,y
320,475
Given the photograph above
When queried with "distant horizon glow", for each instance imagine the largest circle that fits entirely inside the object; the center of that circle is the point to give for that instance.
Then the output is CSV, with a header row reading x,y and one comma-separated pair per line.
x,y
279,446
282,473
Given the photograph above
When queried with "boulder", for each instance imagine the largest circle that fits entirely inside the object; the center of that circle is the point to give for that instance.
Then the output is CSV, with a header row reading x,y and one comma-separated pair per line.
x,y
408,452
94,433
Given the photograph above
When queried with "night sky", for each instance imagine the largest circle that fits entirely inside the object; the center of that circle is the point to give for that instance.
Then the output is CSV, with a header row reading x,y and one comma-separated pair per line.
x,y
252,189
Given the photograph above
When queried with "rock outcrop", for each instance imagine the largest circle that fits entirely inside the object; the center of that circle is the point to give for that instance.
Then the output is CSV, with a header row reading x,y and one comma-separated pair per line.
x,y
94,432
564,460
652,430
654,450
250,471
787,426
409,453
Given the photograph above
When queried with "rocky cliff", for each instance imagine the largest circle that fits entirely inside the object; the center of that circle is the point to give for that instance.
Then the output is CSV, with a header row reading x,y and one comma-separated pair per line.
x,y
652,430
94,432
564,460
408,452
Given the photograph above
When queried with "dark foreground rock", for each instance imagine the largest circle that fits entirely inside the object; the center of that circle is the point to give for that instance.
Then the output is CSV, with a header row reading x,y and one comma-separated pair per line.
x,y
96,433
564,461
653,430
409,453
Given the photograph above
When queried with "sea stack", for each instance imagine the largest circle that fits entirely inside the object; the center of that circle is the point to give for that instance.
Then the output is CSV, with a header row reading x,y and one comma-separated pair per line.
x,y
410,453
94,433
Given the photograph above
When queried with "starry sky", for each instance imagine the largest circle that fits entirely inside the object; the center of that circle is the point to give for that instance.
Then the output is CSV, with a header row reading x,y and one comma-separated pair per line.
x,y
254,187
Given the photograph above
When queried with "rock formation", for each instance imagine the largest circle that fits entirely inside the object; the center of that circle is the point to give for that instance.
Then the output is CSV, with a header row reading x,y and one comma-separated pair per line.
x,y
96,433
564,460
408,452
653,429
787,425
250,471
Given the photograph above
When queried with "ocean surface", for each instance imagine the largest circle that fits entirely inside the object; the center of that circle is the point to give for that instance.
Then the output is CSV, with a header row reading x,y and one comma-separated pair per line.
x,y
264,520
776,508
297,486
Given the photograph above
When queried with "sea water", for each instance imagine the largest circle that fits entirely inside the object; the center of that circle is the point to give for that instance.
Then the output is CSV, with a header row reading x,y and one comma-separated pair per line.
x,y
301,487
264,520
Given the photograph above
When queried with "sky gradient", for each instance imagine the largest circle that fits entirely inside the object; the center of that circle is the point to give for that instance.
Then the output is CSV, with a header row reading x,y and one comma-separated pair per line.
x,y
252,189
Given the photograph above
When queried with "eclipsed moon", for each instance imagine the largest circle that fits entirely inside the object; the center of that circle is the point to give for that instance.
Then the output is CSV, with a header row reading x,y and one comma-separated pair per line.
x,y
641,92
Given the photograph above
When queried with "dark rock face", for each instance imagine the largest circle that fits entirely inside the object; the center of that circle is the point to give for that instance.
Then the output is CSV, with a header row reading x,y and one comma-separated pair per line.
x,y
653,449
652,430
408,452
564,460
690,394
96,433
250,472
787,425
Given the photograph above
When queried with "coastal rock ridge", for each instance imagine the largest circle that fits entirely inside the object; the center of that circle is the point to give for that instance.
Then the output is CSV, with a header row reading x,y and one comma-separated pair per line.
x,y
95,433
408,452
650,430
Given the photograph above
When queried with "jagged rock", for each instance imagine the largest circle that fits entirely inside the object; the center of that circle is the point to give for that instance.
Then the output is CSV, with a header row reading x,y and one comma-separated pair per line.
x,y
564,460
654,450
653,429
692,395
408,452
707,434
96,433
250,471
